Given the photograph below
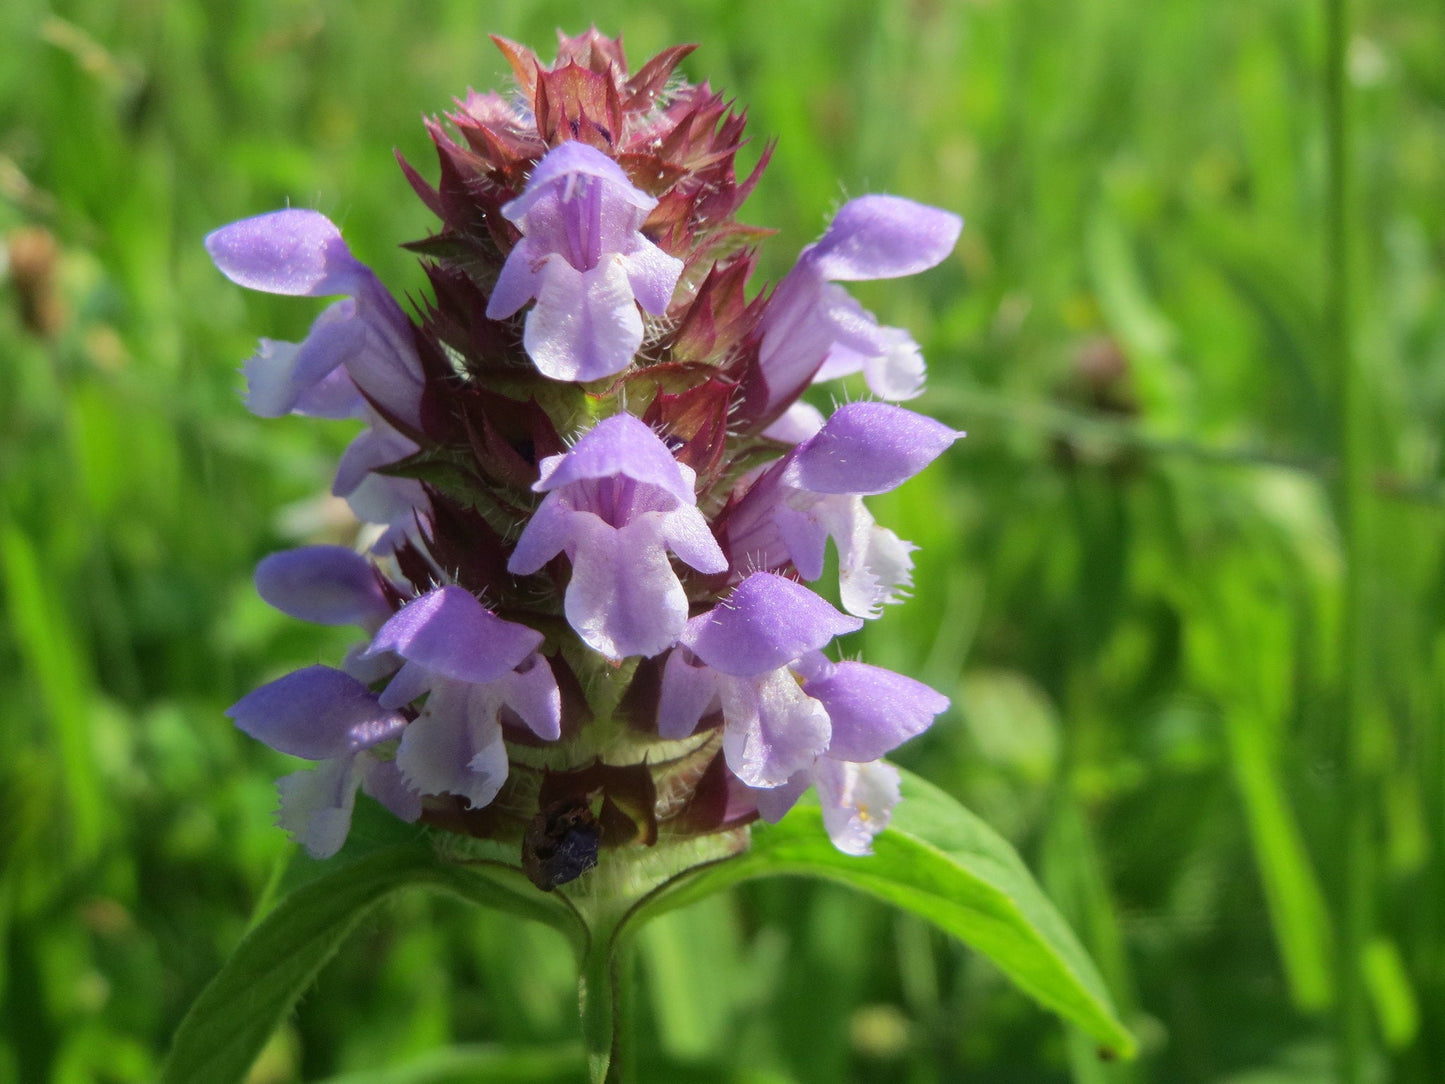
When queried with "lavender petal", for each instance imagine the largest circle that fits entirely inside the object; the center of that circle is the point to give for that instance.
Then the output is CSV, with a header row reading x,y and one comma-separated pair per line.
x,y
316,804
879,237
316,713
772,730
455,746
765,623
857,800
585,325
448,631
867,448
327,585
295,252
624,597
622,446
689,691
873,710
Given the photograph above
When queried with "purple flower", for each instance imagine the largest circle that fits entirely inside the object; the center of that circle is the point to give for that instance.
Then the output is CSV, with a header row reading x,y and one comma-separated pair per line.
x,y
813,328
583,257
476,670
301,253
738,658
359,345
516,515
755,657
616,504
871,712
324,715
815,492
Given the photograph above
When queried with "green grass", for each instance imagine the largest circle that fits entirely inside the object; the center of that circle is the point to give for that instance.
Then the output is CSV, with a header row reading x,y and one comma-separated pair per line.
x,y
1196,642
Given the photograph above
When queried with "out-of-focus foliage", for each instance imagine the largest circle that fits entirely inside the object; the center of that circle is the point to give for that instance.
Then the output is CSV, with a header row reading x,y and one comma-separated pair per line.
x,y
1130,578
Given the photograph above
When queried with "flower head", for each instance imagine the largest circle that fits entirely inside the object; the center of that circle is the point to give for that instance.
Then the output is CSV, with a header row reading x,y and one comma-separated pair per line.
x,y
582,627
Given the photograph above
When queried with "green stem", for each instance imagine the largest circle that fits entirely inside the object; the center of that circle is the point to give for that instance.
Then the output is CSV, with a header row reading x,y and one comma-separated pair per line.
x,y
597,997
602,990
1352,495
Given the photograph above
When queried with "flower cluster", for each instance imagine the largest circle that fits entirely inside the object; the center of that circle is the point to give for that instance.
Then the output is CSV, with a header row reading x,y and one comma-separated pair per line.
x,y
598,495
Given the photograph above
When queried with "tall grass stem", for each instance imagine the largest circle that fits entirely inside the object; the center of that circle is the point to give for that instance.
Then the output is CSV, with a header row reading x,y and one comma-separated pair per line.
x,y
1353,482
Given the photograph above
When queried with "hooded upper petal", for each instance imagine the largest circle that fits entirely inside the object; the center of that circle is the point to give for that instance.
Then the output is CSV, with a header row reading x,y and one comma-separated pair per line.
x,y
873,710
867,448
449,632
620,446
316,713
883,237
295,252
766,622
328,585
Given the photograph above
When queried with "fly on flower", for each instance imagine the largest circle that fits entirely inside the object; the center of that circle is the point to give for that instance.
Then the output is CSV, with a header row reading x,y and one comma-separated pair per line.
x,y
596,498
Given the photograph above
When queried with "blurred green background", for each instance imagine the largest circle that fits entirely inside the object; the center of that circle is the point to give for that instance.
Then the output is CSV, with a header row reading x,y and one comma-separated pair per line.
x,y
1184,579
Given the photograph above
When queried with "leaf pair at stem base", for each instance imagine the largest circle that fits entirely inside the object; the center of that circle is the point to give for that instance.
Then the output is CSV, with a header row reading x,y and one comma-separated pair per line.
x,y
935,860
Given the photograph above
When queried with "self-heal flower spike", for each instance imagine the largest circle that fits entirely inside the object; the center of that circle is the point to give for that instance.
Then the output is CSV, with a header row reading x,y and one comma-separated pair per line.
x,y
583,257
583,631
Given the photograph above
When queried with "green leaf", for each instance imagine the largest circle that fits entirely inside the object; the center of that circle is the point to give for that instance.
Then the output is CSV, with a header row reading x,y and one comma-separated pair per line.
x,y
939,861
236,1013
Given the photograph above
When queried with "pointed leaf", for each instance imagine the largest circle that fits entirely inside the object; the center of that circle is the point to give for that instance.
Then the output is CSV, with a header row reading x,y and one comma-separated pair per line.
x,y
939,861
236,1013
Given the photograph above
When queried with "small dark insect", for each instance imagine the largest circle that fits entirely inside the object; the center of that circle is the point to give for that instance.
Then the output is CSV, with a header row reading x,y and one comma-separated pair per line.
x,y
1105,1053
560,843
